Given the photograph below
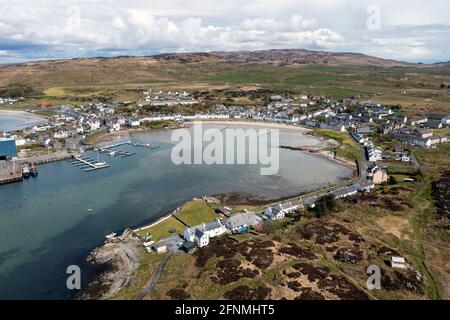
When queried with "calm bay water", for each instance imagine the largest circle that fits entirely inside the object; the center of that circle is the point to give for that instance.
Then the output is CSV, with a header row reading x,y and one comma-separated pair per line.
x,y
46,225
16,121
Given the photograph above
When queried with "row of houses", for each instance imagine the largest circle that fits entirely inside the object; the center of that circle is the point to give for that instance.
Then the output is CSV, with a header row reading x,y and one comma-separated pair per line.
x,y
341,192
240,222
9,100
279,211
429,141
169,98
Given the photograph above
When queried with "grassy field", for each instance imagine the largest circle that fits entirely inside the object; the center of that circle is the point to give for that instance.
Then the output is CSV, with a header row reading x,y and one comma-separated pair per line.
x,y
347,149
417,88
163,229
196,212
148,264
435,160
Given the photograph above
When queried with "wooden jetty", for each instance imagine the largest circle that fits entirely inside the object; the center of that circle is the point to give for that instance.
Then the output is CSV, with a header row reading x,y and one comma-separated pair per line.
x,y
112,151
146,145
88,164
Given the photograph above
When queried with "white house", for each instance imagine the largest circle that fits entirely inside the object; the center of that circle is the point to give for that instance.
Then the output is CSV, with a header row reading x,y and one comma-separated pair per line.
x,y
62,134
346,191
202,233
94,124
403,156
446,120
201,238
20,141
115,125
134,122
398,262
160,247
274,213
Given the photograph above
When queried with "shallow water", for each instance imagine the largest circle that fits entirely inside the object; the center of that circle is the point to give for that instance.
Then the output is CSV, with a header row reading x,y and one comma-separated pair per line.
x,y
12,122
46,225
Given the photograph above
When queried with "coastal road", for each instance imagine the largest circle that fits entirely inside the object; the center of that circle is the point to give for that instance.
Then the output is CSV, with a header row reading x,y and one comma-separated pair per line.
x,y
150,285
361,179
363,165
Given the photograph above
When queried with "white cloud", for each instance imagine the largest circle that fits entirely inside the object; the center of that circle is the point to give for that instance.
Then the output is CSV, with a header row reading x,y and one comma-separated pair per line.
x,y
42,28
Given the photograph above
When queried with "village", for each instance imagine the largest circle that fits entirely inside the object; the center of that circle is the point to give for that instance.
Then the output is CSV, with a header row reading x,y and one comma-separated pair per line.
x,y
378,141
69,130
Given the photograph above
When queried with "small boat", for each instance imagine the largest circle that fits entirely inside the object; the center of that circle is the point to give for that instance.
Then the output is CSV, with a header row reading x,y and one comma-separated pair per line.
x,y
26,171
33,170
98,163
110,236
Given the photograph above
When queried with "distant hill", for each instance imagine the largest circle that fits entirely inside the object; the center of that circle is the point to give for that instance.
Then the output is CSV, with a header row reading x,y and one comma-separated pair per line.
x,y
283,56
170,66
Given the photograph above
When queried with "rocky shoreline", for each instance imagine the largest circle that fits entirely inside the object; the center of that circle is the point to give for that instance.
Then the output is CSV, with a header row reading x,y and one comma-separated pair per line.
x,y
119,259
322,152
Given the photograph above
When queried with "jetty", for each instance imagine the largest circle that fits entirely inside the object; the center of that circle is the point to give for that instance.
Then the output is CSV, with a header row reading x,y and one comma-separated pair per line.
x,y
113,151
146,145
88,164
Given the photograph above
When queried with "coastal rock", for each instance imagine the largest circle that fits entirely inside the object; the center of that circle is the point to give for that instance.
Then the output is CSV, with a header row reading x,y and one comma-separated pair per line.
x,y
120,259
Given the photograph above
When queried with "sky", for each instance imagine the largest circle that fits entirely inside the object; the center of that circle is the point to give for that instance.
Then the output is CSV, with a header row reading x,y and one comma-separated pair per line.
x,y
413,30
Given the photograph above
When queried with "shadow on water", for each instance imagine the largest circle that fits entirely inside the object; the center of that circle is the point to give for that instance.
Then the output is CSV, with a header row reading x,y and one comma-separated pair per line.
x,y
44,277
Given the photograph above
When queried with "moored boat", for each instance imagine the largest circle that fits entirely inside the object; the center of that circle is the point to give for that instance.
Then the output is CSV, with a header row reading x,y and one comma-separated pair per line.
x,y
26,171
33,171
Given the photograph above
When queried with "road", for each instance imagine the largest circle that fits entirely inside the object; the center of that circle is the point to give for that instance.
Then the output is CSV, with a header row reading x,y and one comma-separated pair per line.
x,y
363,166
361,179
150,285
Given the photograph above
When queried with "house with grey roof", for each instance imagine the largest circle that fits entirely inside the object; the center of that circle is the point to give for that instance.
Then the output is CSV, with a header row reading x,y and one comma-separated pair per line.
x,y
279,211
202,233
346,191
242,220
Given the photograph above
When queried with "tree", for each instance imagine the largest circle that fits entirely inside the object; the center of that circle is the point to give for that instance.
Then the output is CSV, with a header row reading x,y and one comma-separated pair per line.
x,y
392,180
325,204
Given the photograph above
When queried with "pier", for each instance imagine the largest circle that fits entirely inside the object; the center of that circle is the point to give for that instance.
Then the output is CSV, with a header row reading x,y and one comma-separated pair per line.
x,y
88,164
10,171
111,150
114,153
145,145
46,158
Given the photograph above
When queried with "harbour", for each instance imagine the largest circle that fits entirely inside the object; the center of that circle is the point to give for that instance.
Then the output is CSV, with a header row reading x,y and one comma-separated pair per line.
x,y
56,219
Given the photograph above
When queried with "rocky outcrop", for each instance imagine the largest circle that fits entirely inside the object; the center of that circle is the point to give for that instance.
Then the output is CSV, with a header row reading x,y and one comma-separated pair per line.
x,y
121,259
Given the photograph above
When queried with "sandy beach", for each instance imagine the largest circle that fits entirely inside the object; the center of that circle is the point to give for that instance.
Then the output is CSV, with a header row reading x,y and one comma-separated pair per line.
x,y
21,114
12,120
265,124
